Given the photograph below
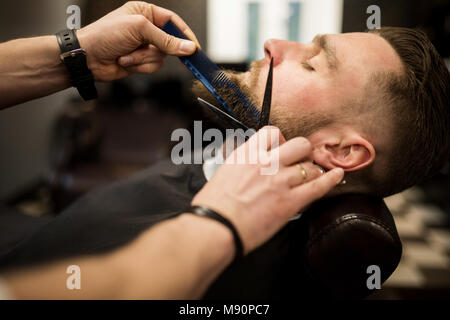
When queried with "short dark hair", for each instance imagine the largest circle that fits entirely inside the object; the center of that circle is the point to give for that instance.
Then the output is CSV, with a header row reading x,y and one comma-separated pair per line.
x,y
418,100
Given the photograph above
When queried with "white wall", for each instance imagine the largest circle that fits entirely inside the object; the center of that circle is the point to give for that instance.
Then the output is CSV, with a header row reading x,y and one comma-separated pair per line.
x,y
227,24
320,16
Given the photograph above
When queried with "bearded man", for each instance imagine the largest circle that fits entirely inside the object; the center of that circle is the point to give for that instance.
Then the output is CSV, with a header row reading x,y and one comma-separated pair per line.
x,y
375,104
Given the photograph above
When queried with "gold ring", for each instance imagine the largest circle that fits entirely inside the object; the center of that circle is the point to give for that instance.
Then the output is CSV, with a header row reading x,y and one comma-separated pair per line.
x,y
303,171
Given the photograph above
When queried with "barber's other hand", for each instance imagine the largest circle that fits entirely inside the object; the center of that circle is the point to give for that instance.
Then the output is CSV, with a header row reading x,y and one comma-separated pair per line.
x,y
129,40
260,205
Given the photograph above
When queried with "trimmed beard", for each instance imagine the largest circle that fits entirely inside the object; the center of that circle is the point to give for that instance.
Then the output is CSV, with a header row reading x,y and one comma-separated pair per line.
x,y
291,125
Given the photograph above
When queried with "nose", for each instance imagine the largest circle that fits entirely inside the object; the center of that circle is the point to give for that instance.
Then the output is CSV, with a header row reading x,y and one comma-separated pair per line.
x,y
273,48
280,50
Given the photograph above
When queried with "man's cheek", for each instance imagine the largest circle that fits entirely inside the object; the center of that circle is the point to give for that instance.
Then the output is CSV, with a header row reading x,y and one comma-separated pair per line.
x,y
296,97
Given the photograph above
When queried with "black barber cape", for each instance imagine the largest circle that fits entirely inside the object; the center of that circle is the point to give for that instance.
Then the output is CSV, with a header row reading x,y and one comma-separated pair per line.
x,y
111,216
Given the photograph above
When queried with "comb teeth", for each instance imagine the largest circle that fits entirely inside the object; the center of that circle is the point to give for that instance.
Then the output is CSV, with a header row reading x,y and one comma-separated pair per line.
x,y
210,74
221,80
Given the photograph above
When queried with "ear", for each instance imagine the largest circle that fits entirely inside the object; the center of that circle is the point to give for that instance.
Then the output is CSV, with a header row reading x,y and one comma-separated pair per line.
x,y
344,148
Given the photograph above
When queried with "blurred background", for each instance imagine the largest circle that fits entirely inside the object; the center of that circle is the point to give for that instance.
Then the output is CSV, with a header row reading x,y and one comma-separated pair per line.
x,y
56,148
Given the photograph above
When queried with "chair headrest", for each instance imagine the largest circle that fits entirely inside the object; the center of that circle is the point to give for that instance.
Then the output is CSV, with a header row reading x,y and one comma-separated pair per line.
x,y
346,235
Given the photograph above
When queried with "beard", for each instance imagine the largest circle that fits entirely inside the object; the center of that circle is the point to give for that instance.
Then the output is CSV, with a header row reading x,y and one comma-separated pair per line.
x,y
290,124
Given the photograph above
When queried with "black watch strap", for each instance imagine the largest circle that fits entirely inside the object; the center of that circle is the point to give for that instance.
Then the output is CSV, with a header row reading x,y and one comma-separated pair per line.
x,y
74,58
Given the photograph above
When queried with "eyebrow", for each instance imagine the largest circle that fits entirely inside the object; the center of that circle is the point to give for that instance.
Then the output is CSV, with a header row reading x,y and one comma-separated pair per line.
x,y
323,42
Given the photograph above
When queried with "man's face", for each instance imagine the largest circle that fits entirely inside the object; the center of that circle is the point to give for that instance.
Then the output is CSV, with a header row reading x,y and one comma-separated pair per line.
x,y
312,81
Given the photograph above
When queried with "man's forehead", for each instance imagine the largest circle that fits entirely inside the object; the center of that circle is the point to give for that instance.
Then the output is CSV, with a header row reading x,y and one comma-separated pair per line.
x,y
367,48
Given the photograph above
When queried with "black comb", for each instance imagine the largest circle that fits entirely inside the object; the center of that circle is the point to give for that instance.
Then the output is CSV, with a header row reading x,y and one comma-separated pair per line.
x,y
211,76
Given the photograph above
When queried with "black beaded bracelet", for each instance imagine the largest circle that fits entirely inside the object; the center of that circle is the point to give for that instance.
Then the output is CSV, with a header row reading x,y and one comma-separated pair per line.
x,y
206,212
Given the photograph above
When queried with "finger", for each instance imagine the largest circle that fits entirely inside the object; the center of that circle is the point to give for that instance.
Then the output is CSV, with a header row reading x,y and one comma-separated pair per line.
x,y
151,34
300,173
161,15
295,150
146,67
255,149
308,192
148,54
266,138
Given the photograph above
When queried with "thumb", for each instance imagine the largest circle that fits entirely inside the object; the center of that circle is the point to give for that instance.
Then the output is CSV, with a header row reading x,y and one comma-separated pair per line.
x,y
166,42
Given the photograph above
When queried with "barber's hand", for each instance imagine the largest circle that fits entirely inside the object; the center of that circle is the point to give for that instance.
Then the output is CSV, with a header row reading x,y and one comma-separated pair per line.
x,y
260,205
129,40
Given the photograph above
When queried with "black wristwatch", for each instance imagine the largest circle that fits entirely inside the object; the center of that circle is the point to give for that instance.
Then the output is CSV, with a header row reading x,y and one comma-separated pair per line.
x,y
74,58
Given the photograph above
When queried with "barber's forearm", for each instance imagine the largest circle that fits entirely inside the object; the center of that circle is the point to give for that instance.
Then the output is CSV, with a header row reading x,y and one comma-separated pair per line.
x,y
178,259
30,68
100,278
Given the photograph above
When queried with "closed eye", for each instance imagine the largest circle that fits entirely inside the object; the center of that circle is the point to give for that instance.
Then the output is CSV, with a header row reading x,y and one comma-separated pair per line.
x,y
307,66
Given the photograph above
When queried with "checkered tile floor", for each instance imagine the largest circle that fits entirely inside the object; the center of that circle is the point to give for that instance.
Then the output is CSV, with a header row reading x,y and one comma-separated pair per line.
x,y
424,270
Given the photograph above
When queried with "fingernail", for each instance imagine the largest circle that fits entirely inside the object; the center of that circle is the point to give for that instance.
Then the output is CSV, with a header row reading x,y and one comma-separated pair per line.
x,y
126,61
340,173
191,36
187,46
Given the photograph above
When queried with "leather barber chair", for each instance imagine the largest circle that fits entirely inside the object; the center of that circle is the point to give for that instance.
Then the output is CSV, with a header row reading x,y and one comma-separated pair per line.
x,y
324,254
